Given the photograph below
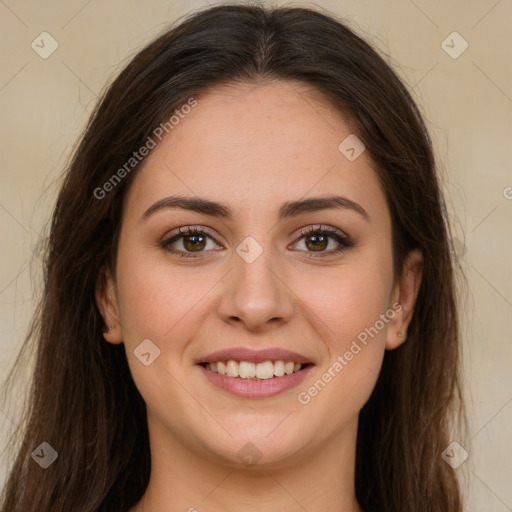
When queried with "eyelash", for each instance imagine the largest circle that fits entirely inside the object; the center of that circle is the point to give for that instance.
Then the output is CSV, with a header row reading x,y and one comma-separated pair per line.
x,y
342,239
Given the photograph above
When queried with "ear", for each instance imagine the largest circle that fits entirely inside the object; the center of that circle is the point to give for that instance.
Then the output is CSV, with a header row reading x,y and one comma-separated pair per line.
x,y
403,299
106,300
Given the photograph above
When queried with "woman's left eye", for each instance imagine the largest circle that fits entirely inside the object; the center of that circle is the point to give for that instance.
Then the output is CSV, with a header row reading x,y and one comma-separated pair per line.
x,y
194,240
318,239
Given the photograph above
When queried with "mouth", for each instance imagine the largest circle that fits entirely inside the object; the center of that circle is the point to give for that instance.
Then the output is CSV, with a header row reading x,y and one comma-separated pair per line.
x,y
249,374
248,370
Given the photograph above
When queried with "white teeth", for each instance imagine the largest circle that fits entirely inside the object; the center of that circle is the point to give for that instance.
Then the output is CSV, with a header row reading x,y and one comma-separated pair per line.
x,y
232,369
279,368
265,370
221,367
248,370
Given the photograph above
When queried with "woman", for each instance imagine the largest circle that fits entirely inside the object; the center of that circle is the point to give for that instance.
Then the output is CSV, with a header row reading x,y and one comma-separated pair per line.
x,y
249,298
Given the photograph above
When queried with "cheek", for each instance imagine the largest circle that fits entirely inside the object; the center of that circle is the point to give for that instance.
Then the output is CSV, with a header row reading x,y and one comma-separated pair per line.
x,y
157,301
348,304
348,301
164,305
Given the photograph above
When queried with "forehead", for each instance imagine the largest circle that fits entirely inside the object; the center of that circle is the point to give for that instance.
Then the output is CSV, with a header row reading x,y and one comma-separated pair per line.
x,y
256,146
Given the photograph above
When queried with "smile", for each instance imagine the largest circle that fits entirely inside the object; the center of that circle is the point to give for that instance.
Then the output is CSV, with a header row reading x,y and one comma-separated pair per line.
x,y
255,380
256,371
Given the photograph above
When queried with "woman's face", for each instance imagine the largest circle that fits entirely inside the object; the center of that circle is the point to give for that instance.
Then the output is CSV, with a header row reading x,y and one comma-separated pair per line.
x,y
254,279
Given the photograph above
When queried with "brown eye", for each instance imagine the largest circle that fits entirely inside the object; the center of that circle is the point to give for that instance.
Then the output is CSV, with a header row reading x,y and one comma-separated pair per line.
x,y
188,241
194,242
318,240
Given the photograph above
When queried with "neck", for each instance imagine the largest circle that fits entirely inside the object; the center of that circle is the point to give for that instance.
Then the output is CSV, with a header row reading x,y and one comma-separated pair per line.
x,y
321,478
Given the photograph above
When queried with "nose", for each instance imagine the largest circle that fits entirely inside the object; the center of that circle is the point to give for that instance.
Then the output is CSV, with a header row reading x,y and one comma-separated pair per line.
x,y
256,295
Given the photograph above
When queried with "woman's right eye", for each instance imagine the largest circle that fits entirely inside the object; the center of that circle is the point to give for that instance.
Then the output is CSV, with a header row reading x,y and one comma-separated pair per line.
x,y
192,240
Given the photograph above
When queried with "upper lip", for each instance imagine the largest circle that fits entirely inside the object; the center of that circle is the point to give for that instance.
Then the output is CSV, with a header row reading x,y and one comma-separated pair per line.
x,y
253,356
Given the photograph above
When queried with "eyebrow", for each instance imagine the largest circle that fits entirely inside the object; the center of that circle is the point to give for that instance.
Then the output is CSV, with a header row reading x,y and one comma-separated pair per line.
x,y
287,210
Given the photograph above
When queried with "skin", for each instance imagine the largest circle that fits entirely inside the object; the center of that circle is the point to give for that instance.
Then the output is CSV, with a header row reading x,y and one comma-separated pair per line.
x,y
254,147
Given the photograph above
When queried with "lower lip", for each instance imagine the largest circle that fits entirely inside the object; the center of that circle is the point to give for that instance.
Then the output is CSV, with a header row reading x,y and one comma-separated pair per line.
x,y
264,388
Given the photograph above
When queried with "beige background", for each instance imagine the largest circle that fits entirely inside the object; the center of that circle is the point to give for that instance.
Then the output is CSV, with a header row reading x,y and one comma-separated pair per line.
x,y
467,102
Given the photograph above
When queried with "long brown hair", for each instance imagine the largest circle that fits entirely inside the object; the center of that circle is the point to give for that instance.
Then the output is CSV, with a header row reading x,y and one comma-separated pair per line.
x,y
83,401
